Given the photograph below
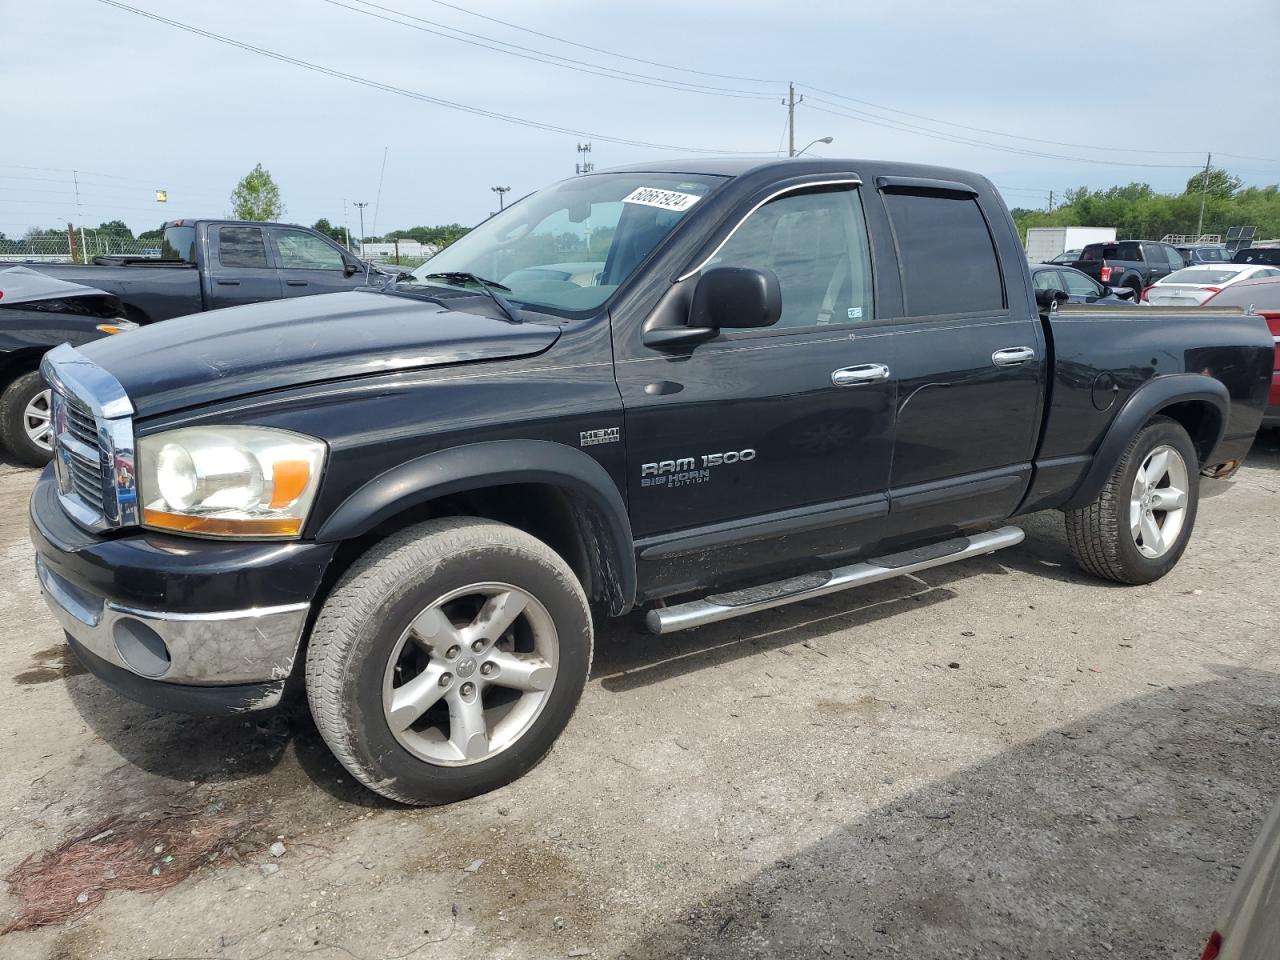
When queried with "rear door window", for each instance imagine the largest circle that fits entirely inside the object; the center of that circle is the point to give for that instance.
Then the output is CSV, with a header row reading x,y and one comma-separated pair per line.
x,y
242,247
945,253
1048,280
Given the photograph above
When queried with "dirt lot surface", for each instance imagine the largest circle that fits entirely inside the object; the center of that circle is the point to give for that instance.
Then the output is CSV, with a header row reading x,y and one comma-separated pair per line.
x,y
998,759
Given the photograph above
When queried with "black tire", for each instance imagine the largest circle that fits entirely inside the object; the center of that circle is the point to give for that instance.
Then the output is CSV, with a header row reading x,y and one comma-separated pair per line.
x,y
366,615
13,431
1099,534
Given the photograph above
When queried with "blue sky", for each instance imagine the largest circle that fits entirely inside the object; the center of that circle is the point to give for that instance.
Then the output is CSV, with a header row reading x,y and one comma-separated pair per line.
x,y
137,105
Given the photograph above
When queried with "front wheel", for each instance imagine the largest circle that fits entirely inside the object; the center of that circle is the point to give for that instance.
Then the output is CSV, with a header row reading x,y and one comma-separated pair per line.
x,y
1138,527
26,420
448,659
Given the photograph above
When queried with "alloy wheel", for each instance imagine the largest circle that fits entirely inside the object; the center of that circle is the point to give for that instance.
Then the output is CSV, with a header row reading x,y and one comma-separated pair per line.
x,y
37,420
470,674
1158,504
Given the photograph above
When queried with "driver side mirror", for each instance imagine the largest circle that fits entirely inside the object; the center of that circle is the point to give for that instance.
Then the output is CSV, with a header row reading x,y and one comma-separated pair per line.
x,y
736,298
1049,300
350,269
733,298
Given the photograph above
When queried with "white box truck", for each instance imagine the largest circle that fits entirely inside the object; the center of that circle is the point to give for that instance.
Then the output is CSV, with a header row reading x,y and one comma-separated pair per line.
x,y
1045,243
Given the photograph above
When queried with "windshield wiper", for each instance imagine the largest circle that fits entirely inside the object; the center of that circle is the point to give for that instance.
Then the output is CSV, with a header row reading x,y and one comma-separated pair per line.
x,y
490,287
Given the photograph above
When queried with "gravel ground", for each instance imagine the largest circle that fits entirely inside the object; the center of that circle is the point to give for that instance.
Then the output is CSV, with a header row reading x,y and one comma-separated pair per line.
x,y
998,759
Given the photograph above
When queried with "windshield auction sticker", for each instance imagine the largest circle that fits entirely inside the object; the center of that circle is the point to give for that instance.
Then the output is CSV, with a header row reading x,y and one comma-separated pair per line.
x,y
666,199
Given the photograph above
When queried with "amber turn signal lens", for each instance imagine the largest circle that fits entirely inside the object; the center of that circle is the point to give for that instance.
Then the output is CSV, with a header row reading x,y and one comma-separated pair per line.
x,y
222,527
289,480
113,328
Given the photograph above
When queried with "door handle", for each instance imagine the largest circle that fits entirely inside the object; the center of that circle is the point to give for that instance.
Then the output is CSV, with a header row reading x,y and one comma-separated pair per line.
x,y
862,373
296,283
227,283
1013,356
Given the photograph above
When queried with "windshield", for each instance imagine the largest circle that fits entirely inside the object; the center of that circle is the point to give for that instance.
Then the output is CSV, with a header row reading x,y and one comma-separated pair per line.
x,y
1204,276
567,248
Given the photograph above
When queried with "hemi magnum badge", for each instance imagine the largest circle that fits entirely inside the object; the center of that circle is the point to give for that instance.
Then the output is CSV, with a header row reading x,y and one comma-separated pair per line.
x,y
589,438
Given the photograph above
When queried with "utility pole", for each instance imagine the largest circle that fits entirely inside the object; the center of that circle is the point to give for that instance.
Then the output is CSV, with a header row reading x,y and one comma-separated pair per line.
x,y
1204,188
360,207
790,104
84,251
500,191
585,166
1051,201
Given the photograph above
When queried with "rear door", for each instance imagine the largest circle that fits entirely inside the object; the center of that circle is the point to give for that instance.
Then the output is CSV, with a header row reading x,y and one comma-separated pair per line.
x,y
309,264
969,360
1159,262
239,269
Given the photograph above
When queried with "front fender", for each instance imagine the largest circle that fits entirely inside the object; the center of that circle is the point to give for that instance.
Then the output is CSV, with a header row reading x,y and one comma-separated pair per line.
x,y
495,463
1146,402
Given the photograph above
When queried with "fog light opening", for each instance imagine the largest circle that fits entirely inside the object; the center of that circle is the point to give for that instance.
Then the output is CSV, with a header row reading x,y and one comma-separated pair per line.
x,y
141,648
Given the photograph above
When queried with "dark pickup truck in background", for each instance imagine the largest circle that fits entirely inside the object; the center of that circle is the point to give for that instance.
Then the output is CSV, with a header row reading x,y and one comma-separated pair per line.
x,y
783,379
210,264
1135,264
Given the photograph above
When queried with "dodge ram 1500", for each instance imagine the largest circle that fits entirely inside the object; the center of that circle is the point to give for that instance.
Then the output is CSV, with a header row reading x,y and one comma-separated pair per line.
x,y
704,388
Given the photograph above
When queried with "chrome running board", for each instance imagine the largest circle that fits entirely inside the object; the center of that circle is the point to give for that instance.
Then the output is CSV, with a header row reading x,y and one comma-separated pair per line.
x,y
738,603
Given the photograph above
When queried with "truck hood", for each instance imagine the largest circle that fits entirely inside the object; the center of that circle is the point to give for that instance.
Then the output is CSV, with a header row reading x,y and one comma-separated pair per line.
x,y
208,357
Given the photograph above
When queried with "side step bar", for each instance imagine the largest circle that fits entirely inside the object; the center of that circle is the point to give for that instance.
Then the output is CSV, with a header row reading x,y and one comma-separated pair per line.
x,y
737,603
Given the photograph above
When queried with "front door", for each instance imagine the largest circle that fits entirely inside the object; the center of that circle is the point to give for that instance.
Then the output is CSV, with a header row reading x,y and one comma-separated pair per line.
x,y
969,358
765,446
310,265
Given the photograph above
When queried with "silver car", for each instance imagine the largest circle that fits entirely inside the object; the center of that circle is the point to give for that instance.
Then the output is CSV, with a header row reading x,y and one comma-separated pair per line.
x,y
1250,926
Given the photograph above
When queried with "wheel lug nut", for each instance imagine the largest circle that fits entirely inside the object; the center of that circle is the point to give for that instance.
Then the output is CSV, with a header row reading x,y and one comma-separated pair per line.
x,y
446,679
477,646
487,669
453,651
468,689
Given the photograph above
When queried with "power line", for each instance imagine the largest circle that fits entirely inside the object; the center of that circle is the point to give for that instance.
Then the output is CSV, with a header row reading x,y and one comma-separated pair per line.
x,y
412,94
997,133
849,113
586,46
541,56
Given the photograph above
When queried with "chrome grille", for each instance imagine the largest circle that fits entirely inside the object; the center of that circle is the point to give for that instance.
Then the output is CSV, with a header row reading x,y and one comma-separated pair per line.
x,y
92,441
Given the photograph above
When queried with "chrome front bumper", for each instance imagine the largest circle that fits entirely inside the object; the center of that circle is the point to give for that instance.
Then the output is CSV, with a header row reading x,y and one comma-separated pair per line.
x,y
202,649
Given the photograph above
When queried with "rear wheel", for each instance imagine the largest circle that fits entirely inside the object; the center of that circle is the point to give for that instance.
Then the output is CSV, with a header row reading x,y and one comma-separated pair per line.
x,y
26,420
1137,529
447,661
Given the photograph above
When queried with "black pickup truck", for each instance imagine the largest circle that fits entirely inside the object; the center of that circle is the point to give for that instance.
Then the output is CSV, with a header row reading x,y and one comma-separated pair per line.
x,y
1131,264
210,264
756,383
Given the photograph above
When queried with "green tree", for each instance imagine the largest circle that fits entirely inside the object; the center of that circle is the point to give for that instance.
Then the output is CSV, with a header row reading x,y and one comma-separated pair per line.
x,y
1221,184
116,228
329,230
156,234
256,197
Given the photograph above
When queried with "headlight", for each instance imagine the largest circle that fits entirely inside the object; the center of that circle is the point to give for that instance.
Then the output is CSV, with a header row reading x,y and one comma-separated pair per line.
x,y
229,481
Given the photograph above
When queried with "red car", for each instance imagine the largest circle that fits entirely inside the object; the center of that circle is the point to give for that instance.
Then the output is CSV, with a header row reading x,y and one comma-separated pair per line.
x,y
1264,297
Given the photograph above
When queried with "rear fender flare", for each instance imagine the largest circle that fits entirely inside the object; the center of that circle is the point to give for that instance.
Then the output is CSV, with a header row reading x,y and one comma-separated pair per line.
x,y
602,514
1146,402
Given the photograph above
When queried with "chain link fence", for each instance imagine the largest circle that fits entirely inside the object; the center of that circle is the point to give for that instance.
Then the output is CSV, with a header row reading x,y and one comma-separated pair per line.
x,y
80,247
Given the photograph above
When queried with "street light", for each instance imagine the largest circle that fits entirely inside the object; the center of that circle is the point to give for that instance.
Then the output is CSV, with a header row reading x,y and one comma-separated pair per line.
x,y
819,140
500,191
